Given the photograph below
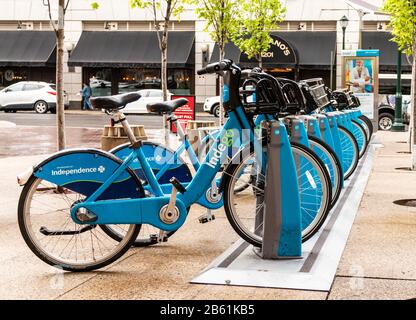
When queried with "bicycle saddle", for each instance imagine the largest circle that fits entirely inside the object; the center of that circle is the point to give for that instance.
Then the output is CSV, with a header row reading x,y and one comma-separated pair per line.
x,y
114,102
167,106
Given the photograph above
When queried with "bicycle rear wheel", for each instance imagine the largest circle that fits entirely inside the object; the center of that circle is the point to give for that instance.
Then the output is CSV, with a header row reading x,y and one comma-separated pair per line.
x,y
244,209
49,231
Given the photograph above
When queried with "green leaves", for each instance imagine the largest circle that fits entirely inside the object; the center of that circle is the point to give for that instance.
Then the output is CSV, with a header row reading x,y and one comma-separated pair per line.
x,y
219,16
142,4
95,5
254,21
403,23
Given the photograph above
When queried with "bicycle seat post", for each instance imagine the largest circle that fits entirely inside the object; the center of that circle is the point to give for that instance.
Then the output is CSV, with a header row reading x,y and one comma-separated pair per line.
x,y
119,117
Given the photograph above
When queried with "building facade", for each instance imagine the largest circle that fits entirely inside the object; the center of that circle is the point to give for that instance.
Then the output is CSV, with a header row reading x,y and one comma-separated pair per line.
x,y
115,48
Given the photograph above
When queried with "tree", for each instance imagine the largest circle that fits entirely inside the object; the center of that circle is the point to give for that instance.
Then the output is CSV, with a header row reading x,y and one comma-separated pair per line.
x,y
164,10
254,22
403,24
58,27
219,16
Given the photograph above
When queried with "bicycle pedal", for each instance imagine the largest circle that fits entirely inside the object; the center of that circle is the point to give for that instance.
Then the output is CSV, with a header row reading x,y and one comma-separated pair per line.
x,y
154,238
178,185
205,218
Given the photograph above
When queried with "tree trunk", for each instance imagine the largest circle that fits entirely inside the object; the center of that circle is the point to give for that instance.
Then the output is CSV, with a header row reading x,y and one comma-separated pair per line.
x,y
221,115
164,77
413,112
164,72
260,61
60,107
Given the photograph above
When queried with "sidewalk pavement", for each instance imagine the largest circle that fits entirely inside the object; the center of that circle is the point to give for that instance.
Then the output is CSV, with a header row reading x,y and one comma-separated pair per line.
x,y
378,262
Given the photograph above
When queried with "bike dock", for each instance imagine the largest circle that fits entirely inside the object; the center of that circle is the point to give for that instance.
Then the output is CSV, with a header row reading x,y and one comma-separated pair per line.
x,y
239,265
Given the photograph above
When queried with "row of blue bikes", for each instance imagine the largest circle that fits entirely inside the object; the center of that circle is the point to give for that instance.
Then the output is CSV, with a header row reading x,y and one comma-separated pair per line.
x,y
82,209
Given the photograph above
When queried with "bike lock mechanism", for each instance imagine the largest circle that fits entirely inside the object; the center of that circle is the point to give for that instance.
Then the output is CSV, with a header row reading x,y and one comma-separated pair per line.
x,y
279,221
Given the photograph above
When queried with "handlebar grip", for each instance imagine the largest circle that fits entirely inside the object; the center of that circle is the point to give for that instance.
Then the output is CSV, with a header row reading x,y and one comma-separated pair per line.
x,y
215,67
211,68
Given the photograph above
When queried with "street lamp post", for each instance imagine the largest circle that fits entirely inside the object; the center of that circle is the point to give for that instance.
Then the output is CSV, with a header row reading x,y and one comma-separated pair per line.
x,y
344,24
398,125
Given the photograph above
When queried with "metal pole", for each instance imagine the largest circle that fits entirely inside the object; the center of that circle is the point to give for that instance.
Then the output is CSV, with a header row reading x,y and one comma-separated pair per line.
x,y
343,38
360,28
331,80
398,125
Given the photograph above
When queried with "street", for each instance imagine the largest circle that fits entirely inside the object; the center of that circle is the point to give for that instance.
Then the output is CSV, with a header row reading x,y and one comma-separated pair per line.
x,y
81,119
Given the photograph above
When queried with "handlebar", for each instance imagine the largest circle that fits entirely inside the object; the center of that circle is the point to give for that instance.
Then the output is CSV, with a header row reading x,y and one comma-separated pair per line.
x,y
216,67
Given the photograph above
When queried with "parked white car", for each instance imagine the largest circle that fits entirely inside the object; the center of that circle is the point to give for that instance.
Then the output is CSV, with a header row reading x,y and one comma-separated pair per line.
x,y
30,95
147,96
212,105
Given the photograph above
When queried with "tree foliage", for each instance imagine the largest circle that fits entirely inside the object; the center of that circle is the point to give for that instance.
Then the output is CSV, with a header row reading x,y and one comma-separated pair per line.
x,y
219,16
253,23
403,23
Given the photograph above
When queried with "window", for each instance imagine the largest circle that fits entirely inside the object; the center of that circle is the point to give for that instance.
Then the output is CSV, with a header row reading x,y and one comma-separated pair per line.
x,y
155,94
15,88
32,87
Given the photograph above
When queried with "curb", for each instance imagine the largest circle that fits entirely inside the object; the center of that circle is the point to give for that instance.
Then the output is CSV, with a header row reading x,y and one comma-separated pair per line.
x,y
7,124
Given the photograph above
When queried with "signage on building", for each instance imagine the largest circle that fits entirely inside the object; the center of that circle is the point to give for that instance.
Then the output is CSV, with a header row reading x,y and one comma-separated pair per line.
x,y
360,76
280,52
185,113
9,75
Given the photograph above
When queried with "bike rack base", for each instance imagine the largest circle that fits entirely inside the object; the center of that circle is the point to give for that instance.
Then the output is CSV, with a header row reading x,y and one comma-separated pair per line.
x,y
240,266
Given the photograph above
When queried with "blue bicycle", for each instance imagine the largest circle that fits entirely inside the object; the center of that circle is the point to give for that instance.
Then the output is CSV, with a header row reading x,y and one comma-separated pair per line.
x,y
67,197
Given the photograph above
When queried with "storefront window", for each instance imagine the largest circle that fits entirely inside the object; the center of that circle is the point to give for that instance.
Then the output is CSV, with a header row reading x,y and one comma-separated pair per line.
x,y
11,75
179,81
99,80
134,79
137,79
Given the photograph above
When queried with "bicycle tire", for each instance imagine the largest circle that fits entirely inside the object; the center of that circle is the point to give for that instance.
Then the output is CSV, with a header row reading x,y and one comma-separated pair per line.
x,y
232,171
369,124
337,188
29,236
348,141
362,135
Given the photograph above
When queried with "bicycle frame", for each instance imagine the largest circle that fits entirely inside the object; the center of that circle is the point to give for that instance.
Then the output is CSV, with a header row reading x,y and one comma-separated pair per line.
x,y
146,210
173,157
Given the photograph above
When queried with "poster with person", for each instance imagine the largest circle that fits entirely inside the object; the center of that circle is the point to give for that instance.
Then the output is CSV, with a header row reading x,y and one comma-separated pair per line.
x,y
360,76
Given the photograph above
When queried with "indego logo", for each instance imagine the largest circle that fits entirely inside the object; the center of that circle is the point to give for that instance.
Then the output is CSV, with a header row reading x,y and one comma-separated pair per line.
x,y
226,141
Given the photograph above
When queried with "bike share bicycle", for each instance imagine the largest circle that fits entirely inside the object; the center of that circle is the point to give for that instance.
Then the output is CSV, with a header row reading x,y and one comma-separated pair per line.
x,y
312,203
69,195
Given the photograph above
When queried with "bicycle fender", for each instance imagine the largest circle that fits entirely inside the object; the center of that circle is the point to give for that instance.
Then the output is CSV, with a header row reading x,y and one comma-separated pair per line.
x,y
159,158
85,170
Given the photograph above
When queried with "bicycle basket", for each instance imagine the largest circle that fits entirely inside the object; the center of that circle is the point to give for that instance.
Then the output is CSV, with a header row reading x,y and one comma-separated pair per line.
x,y
350,99
259,97
315,94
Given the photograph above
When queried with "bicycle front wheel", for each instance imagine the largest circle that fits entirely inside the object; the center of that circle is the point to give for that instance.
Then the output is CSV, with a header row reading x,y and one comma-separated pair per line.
x,y
244,209
361,136
332,164
350,151
369,125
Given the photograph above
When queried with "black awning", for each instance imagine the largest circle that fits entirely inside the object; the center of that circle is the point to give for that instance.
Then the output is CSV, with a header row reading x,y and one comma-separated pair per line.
x,y
305,49
313,47
131,49
388,49
231,52
27,48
